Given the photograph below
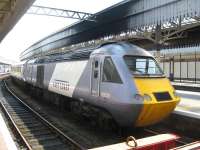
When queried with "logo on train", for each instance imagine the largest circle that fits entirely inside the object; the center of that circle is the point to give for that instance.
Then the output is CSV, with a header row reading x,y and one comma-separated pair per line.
x,y
62,85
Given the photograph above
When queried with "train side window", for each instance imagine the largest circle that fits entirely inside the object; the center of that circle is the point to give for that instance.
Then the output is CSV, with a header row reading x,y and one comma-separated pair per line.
x,y
96,64
96,74
110,73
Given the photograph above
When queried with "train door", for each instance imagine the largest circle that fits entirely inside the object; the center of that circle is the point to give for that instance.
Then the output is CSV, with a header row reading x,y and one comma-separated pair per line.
x,y
31,73
95,76
25,71
40,76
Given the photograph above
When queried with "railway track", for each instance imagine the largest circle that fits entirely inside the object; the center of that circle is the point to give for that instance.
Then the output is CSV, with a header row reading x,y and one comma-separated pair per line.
x,y
34,130
143,133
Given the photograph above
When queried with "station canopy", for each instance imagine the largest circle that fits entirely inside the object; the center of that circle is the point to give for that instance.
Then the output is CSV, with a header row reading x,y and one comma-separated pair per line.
x,y
148,23
10,12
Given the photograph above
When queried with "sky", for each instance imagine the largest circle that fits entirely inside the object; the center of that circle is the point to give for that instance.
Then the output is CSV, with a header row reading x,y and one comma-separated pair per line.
x,y
32,28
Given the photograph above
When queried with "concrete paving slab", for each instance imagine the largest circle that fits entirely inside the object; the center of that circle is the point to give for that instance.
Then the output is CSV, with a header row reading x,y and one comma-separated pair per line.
x,y
6,141
190,102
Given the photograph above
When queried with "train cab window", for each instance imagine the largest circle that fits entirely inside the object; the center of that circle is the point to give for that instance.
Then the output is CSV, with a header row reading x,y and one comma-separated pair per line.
x,y
110,73
140,66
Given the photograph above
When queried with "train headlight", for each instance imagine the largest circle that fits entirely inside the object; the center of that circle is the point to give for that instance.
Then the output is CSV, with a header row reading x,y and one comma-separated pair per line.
x,y
175,94
139,97
147,97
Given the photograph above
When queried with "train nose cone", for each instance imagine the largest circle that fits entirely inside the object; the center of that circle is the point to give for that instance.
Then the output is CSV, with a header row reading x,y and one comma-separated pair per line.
x,y
162,102
154,112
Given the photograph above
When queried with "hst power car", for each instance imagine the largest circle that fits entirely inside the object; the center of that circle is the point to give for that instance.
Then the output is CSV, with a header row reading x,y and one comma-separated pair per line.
x,y
115,80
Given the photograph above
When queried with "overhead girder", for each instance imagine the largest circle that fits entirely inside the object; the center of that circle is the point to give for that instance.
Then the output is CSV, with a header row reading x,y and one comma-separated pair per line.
x,y
48,11
176,31
130,19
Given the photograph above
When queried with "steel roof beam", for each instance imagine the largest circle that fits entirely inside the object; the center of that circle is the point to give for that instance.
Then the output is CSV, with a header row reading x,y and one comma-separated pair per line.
x,y
138,16
48,11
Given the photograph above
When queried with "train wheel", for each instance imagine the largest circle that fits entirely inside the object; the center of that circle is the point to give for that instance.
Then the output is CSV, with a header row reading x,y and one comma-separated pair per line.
x,y
75,107
106,122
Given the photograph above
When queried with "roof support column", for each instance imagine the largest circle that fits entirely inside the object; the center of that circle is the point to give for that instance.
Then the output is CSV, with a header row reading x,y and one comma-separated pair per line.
x,y
158,40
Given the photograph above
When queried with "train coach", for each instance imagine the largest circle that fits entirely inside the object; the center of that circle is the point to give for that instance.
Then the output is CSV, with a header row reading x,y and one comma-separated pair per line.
x,y
114,81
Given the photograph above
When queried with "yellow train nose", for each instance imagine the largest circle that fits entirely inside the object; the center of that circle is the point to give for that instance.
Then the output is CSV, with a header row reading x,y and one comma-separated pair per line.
x,y
162,102
154,112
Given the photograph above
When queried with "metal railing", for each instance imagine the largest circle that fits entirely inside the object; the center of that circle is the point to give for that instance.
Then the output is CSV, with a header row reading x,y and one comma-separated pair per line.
x,y
182,67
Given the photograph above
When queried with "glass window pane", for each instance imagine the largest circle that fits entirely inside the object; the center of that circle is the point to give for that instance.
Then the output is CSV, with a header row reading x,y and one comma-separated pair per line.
x,y
96,64
110,73
139,65
96,74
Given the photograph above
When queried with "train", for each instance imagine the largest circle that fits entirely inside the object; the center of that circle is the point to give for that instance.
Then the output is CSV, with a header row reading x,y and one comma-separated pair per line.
x,y
116,81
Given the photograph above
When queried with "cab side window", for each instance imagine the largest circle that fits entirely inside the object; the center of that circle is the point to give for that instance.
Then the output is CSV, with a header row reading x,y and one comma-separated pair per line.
x,y
110,73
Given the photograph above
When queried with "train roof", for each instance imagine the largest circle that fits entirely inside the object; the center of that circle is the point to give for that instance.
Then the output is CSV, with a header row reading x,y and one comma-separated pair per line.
x,y
121,48
109,48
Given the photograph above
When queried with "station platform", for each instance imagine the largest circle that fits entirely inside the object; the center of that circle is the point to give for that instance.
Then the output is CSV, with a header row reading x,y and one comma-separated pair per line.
x,y
186,86
186,116
190,102
190,99
6,141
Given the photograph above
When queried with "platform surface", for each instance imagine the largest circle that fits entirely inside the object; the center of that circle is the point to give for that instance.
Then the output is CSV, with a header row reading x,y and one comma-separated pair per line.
x,y
151,142
186,84
6,141
190,101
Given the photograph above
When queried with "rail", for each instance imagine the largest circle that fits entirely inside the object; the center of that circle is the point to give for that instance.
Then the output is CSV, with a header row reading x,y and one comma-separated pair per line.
x,y
23,107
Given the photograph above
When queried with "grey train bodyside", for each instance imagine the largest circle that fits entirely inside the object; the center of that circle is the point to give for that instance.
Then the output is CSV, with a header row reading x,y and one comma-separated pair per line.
x,y
84,80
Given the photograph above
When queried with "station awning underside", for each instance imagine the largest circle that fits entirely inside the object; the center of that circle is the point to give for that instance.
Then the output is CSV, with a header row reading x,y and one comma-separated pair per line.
x,y
148,23
3,64
10,12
